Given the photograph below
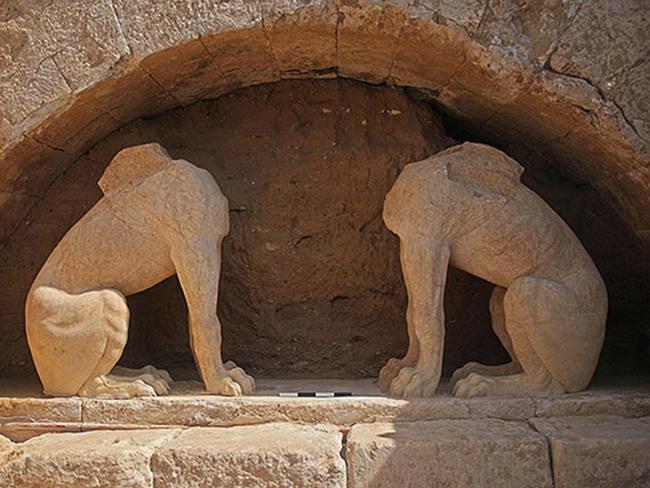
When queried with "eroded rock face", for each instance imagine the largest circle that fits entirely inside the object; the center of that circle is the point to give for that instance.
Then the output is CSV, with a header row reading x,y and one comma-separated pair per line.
x,y
247,456
253,456
6,446
614,57
599,450
447,453
99,458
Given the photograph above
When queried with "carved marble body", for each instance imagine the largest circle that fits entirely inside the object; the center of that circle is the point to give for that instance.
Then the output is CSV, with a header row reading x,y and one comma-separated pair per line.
x,y
467,207
158,217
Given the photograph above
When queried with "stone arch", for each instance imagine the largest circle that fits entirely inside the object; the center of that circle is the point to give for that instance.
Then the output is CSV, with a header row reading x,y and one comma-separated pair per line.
x,y
77,71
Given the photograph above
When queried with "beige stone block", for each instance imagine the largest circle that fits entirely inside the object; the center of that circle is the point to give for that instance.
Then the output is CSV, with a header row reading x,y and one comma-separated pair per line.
x,y
617,38
244,57
447,453
97,40
6,446
171,23
41,409
208,410
188,72
530,30
466,14
100,459
22,418
29,89
428,68
303,44
368,39
50,51
588,403
253,456
598,451
22,431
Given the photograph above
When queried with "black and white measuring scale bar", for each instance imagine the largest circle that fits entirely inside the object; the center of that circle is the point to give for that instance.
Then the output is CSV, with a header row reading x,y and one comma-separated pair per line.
x,y
315,394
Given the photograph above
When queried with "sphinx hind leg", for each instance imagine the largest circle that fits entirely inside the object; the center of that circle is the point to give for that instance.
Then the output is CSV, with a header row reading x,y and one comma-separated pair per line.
x,y
539,317
66,336
76,339
498,318
115,321
159,379
565,329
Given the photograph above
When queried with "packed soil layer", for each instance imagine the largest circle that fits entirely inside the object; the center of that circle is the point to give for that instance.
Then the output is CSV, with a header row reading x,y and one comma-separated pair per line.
x,y
311,282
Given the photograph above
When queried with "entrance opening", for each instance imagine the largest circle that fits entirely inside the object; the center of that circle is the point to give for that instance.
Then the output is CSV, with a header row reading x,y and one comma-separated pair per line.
x,y
311,283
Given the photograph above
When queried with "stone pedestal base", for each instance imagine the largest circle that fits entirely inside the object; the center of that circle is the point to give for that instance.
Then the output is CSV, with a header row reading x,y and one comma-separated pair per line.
x,y
597,438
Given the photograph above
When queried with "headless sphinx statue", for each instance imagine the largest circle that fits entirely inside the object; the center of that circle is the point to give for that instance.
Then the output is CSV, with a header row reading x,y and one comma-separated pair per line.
x,y
467,207
158,217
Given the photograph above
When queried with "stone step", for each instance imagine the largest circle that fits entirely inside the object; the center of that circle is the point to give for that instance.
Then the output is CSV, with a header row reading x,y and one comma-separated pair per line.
x,y
564,452
598,450
445,453
286,455
23,414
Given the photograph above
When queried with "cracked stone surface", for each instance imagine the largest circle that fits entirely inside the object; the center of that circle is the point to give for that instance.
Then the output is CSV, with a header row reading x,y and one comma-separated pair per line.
x,y
253,456
6,446
617,46
447,453
248,456
562,452
598,451
25,414
99,458
52,50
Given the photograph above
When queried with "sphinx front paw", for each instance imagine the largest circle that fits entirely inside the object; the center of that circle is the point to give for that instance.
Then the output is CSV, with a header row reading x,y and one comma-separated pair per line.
x,y
232,381
521,384
389,372
411,383
462,373
474,385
